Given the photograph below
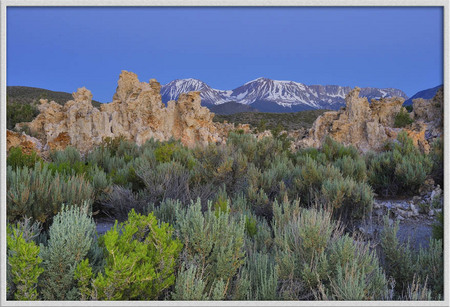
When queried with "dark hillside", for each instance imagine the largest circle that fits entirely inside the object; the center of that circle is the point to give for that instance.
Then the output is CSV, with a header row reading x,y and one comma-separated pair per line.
x,y
28,95
289,121
425,94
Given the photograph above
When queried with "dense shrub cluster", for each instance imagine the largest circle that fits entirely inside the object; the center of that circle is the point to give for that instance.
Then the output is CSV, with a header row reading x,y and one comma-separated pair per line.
x,y
16,158
17,112
402,119
261,121
245,220
209,255
402,168
39,193
407,268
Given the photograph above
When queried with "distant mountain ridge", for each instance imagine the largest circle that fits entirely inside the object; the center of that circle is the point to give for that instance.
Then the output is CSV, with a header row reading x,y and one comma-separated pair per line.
x,y
425,94
28,95
269,95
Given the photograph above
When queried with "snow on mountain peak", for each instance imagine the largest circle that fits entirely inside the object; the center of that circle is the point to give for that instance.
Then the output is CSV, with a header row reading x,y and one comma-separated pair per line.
x,y
281,93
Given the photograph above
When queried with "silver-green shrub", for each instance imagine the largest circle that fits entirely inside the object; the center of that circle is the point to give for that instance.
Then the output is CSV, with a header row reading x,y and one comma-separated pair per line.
x,y
190,286
213,241
430,263
261,273
71,237
353,168
412,270
69,155
166,180
39,193
167,210
347,198
402,168
301,238
354,272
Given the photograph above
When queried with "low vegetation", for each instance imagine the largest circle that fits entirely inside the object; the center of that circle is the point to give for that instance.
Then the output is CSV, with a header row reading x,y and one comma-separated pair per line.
x,y
400,169
262,121
402,119
245,220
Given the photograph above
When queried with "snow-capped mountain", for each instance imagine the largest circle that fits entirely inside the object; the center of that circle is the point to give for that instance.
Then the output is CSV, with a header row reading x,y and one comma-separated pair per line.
x,y
172,90
268,95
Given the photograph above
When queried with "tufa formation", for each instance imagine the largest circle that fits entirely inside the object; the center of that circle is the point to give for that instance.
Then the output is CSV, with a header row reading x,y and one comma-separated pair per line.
x,y
369,126
136,113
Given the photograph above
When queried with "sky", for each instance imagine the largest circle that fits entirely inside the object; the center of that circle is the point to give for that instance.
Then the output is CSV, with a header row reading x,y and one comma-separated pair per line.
x,y
62,49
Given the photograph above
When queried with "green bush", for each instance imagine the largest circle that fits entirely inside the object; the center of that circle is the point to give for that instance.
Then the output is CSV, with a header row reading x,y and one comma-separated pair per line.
x,y
398,257
417,291
19,113
260,152
438,227
401,169
250,226
402,119
430,262
214,243
71,237
219,165
68,162
334,150
437,156
70,155
112,144
140,264
261,275
301,237
408,268
274,183
267,223
166,180
258,233
353,168
347,198
39,194
314,258
354,272
409,108
313,153
282,137
16,158
165,152
190,286
23,264
167,210
311,177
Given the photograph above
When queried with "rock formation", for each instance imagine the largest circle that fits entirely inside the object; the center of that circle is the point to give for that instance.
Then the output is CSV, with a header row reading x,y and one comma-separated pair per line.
x,y
26,142
369,126
136,113
431,113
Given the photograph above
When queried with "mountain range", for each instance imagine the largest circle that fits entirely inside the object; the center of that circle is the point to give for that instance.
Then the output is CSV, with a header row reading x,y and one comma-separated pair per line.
x,y
267,95
425,94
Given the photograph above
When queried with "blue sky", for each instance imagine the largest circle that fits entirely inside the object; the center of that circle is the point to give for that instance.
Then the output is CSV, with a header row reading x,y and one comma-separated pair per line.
x,y
62,49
